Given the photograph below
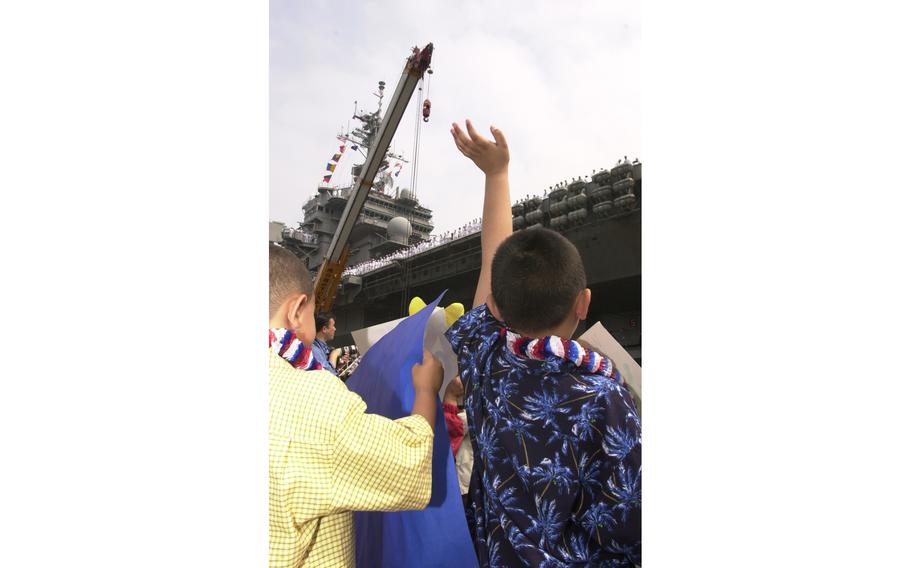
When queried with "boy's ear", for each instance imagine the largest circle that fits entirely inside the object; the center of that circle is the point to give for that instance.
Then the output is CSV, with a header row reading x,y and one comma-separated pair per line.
x,y
582,303
494,309
296,310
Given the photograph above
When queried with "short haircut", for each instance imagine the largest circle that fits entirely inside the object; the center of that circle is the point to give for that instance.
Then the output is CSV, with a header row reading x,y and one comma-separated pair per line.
x,y
536,277
287,276
322,320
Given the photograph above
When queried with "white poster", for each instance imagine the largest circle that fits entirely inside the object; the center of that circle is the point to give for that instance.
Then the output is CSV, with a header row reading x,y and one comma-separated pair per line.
x,y
599,339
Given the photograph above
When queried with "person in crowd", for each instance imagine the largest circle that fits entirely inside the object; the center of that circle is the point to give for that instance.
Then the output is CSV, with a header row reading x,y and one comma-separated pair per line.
x,y
556,436
327,456
325,332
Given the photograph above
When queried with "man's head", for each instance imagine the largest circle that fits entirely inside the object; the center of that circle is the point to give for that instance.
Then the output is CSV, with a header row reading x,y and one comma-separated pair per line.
x,y
538,283
325,326
291,302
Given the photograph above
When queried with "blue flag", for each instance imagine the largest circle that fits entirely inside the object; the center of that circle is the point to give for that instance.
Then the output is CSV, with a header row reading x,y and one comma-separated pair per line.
x,y
438,535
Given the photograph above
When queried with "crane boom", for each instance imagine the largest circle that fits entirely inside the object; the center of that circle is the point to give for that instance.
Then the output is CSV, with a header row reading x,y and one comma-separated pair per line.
x,y
333,264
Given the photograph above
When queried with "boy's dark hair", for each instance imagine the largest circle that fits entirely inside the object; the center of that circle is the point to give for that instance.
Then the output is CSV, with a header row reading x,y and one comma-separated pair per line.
x,y
536,276
322,320
287,275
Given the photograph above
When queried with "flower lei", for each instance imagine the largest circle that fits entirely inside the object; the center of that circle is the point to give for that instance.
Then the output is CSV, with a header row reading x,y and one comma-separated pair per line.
x,y
552,346
285,343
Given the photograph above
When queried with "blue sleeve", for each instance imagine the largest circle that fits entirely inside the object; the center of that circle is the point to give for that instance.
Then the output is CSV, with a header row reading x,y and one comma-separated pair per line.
x,y
472,334
323,358
472,338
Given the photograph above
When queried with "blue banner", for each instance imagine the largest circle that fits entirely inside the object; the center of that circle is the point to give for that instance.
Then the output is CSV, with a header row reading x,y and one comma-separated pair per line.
x,y
438,535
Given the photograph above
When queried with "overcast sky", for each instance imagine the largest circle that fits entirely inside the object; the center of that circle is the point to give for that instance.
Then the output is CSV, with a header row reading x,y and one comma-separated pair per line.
x,y
562,84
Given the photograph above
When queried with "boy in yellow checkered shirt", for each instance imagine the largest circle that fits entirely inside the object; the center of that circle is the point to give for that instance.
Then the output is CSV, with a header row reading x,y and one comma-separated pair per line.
x,y
327,457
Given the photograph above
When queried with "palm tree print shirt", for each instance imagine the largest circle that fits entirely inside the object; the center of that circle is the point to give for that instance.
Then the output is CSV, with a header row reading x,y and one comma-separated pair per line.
x,y
557,451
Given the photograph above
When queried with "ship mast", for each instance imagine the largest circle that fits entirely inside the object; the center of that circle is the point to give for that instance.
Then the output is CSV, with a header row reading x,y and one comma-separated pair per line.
x,y
363,136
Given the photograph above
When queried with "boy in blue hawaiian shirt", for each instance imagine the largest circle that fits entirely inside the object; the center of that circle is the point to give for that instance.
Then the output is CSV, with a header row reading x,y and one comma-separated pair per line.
x,y
557,439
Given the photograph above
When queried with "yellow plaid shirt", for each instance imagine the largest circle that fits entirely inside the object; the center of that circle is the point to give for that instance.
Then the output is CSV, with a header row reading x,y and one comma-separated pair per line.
x,y
327,457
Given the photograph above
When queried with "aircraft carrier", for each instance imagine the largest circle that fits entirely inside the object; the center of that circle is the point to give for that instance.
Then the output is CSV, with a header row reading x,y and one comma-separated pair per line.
x,y
394,255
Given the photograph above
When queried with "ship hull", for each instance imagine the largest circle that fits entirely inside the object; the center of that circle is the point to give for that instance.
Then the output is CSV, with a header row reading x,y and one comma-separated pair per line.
x,y
610,249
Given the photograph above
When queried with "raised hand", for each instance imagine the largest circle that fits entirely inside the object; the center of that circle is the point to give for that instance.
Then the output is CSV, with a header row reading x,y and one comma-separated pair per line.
x,y
491,156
